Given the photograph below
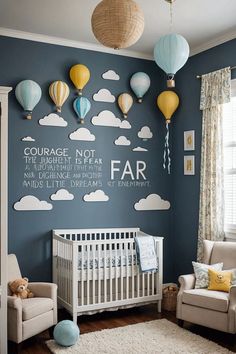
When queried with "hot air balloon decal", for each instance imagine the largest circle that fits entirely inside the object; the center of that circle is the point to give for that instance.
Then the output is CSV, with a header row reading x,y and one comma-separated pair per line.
x,y
59,92
167,102
79,75
171,53
81,106
125,102
140,83
28,94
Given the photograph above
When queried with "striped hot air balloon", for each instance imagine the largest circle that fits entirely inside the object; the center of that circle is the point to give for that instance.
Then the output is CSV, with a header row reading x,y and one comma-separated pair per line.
x,y
125,102
28,94
59,92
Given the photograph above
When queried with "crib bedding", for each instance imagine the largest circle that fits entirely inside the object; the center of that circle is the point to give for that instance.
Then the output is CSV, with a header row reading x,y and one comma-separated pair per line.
x,y
115,258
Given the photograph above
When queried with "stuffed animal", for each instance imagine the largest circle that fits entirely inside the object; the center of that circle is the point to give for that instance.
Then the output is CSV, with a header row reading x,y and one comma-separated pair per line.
x,y
19,288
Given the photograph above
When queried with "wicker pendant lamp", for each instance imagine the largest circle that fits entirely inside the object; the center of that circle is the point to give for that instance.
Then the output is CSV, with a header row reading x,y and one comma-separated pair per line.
x,y
117,23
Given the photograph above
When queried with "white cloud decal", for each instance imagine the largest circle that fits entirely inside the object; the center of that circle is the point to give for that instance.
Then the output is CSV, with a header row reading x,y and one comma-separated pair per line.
x,y
27,138
122,140
110,75
29,202
125,124
54,120
145,133
104,95
82,134
106,119
97,196
152,202
62,194
138,148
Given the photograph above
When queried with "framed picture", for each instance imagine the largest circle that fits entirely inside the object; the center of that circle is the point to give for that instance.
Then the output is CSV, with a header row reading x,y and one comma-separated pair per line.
x,y
189,165
189,140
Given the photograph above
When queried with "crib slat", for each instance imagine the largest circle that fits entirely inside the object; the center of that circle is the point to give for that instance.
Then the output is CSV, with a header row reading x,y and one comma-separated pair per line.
x,y
110,280
105,273
93,247
127,270
99,277
116,270
132,267
148,283
82,275
121,272
143,285
153,275
88,269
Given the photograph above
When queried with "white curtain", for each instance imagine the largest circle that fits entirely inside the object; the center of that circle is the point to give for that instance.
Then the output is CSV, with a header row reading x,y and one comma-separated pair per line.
x,y
215,90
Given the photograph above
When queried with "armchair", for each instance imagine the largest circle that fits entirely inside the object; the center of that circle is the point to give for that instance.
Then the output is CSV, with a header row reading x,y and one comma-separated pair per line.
x,y
214,309
31,316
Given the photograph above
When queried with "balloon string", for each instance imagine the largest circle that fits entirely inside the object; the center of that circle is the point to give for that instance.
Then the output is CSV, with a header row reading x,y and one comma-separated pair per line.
x,y
166,154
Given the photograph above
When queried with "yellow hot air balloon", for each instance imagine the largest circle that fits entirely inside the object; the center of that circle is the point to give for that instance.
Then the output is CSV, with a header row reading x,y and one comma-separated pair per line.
x,y
79,75
168,102
59,92
125,102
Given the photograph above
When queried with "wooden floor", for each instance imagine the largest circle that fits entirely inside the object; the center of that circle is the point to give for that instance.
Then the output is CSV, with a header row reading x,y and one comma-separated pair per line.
x,y
36,345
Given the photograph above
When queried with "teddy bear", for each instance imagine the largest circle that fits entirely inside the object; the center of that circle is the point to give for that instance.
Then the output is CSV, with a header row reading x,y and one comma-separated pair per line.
x,y
19,288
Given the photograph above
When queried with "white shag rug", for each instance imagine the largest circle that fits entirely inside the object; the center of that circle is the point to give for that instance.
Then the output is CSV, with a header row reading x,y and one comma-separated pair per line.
x,y
154,337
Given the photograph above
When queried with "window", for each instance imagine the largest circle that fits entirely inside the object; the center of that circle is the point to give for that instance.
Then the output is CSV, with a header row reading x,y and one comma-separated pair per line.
x,y
229,136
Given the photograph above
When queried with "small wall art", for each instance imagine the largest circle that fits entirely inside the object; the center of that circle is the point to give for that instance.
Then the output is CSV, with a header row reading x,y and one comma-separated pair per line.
x,y
62,194
104,95
152,202
145,133
189,165
110,75
53,120
139,148
189,140
28,139
97,196
108,119
30,202
82,134
122,141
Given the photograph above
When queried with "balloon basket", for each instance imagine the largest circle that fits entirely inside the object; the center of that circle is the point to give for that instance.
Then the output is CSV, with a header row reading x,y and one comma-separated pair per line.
x,y
79,92
125,116
140,100
81,121
28,117
170,83
58,109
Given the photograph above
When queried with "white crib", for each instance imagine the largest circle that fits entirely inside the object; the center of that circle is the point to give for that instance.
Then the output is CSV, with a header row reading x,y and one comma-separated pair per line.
x,y
97,270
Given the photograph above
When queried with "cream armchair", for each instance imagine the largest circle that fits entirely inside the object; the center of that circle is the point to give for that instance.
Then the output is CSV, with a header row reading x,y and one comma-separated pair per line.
x,y
214,309
29,317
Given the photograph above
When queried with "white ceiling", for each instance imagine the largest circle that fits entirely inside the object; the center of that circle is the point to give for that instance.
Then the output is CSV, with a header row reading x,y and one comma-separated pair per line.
x,y
204,23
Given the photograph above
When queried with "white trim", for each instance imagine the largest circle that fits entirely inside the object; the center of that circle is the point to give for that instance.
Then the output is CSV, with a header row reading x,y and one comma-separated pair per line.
x,y
8,32
213,43
71,43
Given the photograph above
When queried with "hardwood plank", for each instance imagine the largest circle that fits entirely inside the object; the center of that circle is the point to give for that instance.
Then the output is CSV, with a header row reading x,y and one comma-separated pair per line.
x,y
97,322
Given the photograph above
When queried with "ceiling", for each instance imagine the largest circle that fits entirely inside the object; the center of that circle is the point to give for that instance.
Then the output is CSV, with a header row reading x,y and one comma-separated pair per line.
x,y
204,23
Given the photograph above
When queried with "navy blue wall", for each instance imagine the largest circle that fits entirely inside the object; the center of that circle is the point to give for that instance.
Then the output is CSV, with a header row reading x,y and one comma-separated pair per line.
x,y
30,231
185,189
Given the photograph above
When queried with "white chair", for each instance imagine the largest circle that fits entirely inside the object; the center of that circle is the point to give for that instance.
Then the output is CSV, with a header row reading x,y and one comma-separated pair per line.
x,y
214,309
29,317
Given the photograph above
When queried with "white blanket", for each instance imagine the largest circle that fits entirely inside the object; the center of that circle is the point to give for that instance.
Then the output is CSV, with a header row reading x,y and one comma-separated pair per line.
x,y
146,253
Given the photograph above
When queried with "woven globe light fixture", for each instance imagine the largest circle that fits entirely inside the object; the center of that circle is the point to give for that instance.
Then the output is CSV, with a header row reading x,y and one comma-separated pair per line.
x,y
117,23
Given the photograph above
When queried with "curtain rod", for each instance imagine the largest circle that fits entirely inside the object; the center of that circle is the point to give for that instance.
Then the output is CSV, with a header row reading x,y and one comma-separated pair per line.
x,y
232,68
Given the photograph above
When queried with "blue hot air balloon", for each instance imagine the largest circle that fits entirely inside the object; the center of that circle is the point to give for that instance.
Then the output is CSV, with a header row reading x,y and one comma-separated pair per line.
x,y
171,53
28,94
140,83
81,106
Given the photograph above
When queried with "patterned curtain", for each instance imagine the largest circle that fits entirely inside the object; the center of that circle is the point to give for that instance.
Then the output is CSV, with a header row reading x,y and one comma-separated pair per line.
x,y
215,90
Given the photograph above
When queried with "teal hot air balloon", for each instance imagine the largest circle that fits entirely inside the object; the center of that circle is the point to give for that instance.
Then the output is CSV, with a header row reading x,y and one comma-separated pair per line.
x,y
28,94
140,83
81,106
171,53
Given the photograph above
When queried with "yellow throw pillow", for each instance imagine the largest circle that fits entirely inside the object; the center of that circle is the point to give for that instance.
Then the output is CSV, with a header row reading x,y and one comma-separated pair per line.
x,y
220,281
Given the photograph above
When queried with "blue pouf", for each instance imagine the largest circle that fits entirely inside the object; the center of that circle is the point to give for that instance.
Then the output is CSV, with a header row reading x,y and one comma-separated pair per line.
x,y
66,333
